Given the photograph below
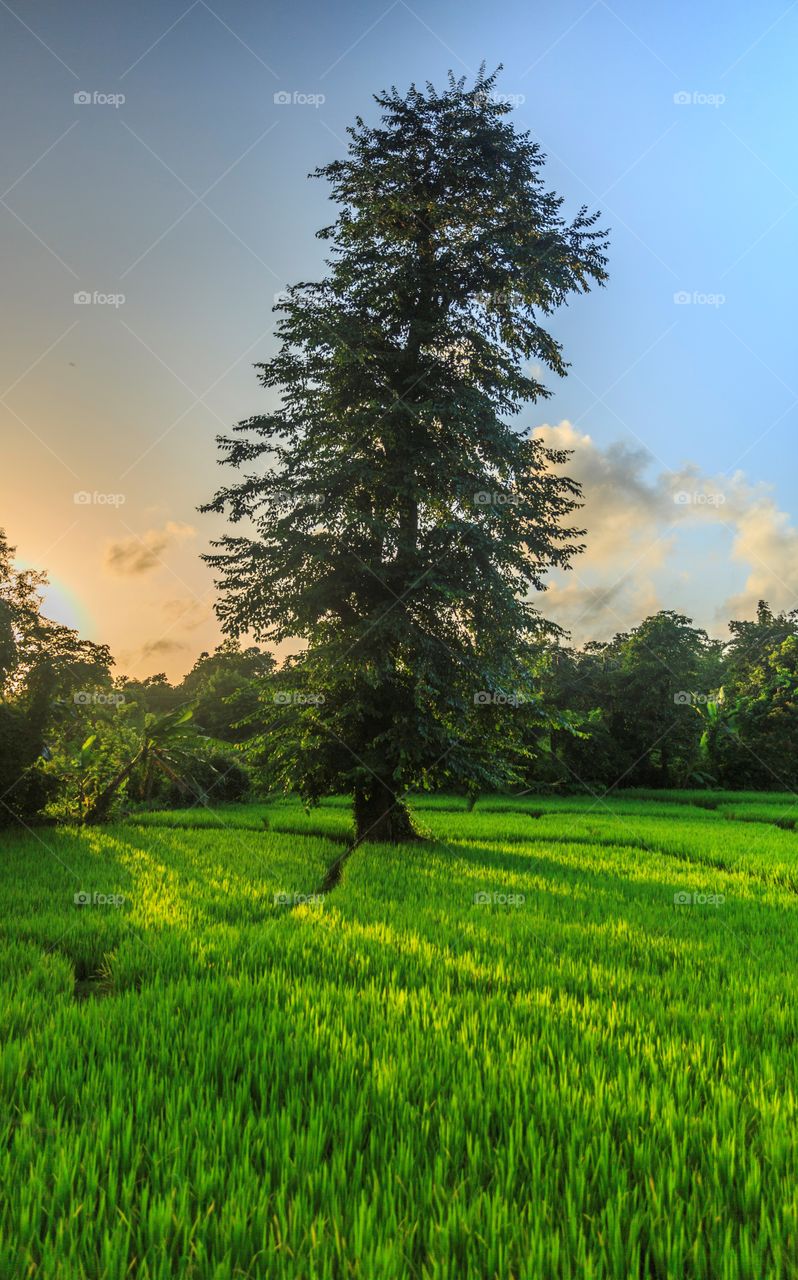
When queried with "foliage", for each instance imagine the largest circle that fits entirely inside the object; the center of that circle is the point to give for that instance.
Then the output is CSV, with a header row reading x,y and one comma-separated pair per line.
x,y
760,752
41,664
752,641
154,694
224,687
638,695
209,779
166,745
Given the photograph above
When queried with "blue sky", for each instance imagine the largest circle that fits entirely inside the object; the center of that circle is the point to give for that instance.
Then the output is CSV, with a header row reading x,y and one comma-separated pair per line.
x,y
191,200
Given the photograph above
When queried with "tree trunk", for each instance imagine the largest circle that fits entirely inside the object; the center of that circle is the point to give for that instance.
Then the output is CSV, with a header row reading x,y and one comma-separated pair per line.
x,y
98,811
381,816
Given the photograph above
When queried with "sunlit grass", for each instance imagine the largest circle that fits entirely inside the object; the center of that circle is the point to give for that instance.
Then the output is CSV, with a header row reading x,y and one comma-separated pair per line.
x,y
579,1077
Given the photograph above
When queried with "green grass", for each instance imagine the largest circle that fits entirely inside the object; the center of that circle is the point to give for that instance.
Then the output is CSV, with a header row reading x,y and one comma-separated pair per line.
x,y
577,1078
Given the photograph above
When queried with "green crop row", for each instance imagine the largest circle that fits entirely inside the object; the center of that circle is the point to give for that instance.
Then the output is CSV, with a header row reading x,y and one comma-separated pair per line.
x,y
554,1039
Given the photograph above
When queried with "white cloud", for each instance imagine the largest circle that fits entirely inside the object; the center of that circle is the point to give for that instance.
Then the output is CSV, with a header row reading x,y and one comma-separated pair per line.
x,y
767,542
635,518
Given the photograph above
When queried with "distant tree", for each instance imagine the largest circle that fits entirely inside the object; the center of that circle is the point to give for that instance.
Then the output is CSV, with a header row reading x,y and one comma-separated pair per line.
x,y
665,666
225,686
399,521
636,698
586,682
154,693
31,642
758,751
752,641
43,666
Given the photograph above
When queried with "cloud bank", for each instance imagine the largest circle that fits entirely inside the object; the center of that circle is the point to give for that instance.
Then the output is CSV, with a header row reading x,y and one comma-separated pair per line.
x,y
636,520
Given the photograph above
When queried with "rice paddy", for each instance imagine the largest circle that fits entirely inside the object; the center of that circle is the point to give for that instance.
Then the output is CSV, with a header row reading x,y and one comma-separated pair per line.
x,y
558,1038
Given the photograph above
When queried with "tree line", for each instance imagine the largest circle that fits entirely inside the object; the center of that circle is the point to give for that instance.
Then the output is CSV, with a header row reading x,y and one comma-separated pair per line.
x,y
662,705
78,745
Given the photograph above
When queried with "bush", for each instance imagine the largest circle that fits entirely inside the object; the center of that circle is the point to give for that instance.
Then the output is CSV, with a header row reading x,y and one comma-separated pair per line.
x,y
214,779
24,788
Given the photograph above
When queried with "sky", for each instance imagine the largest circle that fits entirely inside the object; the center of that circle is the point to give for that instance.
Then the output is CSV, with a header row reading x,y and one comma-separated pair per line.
x,y
154,199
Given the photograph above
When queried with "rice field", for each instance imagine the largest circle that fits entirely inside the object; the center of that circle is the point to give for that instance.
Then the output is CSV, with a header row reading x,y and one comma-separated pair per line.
x,y
557,1039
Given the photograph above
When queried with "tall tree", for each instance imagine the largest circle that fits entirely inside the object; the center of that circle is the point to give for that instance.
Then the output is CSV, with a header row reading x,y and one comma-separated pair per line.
x,y
396,520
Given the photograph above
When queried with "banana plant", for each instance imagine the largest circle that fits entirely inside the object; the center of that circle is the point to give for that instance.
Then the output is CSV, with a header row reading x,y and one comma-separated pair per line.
x,y
718,718
78,772
167,745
